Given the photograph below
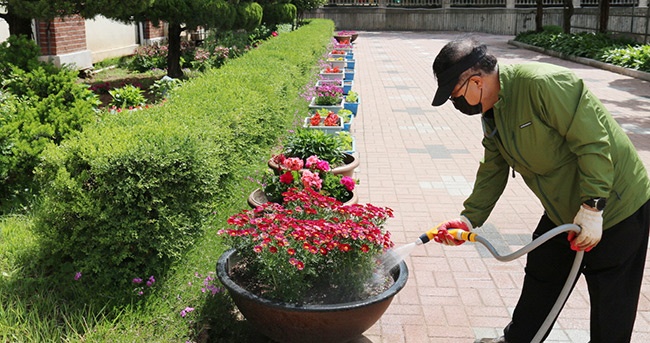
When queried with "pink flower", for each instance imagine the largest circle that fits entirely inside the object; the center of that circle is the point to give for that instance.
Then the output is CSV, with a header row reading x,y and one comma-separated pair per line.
x,y
186,310
293,163
311,180
323,165
274,34
348,182
311,160
77,276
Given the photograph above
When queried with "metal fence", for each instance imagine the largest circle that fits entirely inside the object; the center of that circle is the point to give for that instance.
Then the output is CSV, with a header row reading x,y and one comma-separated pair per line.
x,y
473,3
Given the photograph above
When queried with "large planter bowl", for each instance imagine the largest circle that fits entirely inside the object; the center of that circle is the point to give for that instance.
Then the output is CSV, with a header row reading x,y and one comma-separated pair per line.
x,y
350,163
287,323
258,198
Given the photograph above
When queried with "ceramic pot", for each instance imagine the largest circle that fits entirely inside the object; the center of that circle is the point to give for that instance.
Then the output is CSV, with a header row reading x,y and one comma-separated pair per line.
x,y
257,198
350,163
287,323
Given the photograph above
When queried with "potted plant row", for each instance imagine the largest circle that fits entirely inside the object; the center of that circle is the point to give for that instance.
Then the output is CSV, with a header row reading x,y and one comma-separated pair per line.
x,y
302,264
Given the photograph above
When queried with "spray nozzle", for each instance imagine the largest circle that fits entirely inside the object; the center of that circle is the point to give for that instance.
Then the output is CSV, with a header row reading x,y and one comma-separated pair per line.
x,y
456,233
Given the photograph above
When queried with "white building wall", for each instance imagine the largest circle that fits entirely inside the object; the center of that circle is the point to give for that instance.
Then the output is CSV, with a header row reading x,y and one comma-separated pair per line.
x,y
4,28
107,38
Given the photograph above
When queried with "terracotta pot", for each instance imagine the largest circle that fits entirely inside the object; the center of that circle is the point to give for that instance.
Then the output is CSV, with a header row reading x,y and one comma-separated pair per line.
x,y
257,198
287,323
343,39
347,169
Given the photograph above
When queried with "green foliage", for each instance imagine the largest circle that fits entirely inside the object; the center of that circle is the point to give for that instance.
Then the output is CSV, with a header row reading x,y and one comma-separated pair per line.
x,y
306,142
279,13
634,57
39,109
249,15
128,196
352,96
162,88
597,46
18,51
127,96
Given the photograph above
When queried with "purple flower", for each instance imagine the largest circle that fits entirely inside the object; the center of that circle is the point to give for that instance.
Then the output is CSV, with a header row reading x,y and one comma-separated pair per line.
x,y
137,280
151,281
77,276
186,310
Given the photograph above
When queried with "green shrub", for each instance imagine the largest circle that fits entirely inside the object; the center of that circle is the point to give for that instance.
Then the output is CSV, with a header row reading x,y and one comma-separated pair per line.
x,y
128,196
124,200
249,15
597,46
127,96
279,13
634,57
18,51
39,109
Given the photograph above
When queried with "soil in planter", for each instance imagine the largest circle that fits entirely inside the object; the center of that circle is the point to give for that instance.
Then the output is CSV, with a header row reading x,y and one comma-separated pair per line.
x,y
320,295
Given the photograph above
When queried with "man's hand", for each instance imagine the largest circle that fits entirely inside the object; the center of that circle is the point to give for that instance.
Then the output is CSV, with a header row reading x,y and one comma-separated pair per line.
x,y
444,237
591,229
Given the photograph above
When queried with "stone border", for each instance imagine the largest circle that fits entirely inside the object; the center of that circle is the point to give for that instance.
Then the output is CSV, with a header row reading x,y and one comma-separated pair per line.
x,y
586,61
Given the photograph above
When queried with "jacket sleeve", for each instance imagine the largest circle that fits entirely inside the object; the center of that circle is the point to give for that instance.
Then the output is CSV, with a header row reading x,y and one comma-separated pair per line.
x,y
491,180
570,108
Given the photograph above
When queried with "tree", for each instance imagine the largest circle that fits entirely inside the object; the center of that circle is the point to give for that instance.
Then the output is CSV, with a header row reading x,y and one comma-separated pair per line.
x,y
183,14
567,13
21,12
303,6
603,19
539,15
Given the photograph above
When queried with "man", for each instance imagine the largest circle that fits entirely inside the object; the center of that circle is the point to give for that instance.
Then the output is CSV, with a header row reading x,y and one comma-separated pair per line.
x,y
542,121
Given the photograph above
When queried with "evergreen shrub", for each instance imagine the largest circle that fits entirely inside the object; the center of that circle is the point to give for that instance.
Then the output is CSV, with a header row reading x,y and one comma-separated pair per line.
x,y
40,108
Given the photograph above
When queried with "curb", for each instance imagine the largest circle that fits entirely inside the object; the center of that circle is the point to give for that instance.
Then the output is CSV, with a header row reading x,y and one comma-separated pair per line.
x,y
586,61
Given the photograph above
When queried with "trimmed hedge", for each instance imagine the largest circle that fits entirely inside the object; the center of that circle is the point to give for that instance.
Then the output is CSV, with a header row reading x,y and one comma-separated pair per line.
x,y
128,196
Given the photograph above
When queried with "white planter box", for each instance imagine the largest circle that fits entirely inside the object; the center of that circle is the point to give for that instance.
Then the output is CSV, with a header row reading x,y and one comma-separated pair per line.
x,y
333,108
326,129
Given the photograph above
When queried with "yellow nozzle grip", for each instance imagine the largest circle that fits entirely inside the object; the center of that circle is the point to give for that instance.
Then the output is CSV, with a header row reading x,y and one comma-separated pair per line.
x,y
457,233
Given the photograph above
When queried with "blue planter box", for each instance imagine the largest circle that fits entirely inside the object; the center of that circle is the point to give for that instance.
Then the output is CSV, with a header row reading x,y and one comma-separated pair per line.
x,y
354,147
347,86
350,64
346,126
349,74
349,56
352,106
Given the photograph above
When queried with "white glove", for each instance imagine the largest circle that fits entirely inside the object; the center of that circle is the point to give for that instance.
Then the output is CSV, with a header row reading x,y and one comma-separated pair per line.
x,y
591,229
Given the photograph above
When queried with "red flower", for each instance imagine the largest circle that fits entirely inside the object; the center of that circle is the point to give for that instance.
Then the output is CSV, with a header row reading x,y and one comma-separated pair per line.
x,y
315,120
287,178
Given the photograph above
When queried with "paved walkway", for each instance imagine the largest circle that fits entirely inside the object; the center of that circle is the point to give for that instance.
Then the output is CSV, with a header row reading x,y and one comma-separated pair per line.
x,y
421,161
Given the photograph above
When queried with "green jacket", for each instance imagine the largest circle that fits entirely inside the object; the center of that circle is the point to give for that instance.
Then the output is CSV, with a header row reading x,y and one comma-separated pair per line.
x,y
567,147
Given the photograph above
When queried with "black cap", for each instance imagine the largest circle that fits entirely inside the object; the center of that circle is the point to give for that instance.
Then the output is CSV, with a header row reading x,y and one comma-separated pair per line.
x,y
448,75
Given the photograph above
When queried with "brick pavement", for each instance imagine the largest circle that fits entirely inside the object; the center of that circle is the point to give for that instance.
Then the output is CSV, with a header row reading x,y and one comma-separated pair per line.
x,y
421,161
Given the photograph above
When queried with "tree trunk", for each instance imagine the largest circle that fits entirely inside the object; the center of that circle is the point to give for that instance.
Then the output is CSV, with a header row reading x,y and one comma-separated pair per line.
x,y
174,51
604,16
539,16
567,14
18,25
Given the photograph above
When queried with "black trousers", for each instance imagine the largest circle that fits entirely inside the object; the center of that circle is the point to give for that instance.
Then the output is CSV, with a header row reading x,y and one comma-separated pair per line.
x,y
613,271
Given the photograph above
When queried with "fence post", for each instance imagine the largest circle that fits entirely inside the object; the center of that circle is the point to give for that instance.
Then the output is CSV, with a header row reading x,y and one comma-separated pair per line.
x,y
446,3
576,3
510,3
